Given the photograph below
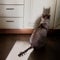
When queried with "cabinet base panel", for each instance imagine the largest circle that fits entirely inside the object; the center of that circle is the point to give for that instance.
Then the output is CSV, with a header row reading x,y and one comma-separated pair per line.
x,y
28,31
16,31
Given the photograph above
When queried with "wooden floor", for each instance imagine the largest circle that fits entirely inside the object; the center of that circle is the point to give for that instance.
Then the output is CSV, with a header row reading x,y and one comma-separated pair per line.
x,y
52,51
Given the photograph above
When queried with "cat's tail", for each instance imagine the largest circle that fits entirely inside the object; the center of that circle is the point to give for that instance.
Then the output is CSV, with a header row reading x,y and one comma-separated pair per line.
x,y
21,53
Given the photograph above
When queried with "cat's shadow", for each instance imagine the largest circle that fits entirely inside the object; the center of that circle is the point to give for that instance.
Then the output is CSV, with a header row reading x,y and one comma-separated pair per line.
x,y
37,55
49,53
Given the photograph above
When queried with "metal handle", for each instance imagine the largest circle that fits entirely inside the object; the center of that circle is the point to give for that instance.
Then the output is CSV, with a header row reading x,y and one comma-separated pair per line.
x,y
9,21
9,8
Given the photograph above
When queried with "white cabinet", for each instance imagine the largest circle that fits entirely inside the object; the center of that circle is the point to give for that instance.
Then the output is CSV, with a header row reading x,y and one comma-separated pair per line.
x,y
11,23
27,14
11,11
11,14
11,1
57,16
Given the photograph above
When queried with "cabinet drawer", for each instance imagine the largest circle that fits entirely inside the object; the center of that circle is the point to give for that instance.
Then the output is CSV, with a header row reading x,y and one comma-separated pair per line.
x,y
11,23
11,1
11,11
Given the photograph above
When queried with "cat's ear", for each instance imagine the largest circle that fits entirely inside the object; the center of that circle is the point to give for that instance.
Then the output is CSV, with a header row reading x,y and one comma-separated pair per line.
x,y
46,8
43,8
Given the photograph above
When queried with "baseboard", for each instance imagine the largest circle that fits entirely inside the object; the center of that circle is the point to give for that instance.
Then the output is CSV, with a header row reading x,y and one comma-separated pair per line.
x,y
27,31
16,31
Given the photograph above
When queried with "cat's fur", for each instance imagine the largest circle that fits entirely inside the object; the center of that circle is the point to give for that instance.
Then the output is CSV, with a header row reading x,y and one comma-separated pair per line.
x,y
45,13
37,39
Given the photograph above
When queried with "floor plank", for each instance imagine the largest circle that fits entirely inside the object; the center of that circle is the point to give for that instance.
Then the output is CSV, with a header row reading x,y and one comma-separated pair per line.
x,y
52,51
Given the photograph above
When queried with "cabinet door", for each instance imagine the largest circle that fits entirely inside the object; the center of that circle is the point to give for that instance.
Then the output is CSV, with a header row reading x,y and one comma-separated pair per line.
x,y
11,10
11,23
36,8
57,17
27,13
11,1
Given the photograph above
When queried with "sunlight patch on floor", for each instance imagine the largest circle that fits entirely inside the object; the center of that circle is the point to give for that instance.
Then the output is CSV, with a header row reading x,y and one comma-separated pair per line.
x,y
17,48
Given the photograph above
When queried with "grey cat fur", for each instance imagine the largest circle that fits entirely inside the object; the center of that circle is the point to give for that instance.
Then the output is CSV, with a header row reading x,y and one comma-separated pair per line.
x,y
38,37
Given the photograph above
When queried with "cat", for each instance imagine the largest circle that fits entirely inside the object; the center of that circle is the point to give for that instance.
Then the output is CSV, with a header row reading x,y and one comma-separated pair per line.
x,y
37,39
46,11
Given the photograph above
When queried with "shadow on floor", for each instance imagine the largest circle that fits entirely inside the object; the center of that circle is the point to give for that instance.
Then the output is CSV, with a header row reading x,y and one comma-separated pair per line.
x,y
49,53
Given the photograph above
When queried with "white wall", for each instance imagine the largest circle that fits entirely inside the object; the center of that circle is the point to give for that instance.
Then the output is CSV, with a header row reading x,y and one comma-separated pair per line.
x,y
35,10
57,16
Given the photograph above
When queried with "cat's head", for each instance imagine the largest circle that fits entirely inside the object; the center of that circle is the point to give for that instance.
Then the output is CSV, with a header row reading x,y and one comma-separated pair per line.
x,y
46,13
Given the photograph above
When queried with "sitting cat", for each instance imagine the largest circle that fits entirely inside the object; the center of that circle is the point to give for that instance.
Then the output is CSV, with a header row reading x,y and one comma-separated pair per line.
x,y
37,39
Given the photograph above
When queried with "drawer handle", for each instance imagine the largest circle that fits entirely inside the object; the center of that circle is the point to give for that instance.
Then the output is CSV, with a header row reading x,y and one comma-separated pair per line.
x,y
9,21
9,8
